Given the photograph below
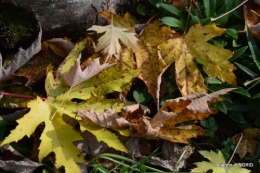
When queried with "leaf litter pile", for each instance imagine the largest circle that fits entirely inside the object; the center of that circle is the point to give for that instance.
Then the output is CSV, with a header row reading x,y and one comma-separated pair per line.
x,y
75,116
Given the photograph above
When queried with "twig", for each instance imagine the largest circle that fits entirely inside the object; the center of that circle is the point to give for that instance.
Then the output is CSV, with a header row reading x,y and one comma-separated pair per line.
x,y
235,148
20,96
214,19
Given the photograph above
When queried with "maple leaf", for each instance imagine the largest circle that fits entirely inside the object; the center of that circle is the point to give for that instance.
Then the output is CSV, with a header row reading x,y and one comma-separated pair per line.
x,y
109,118
216,159
109,42
76,75
173,112
107,81
248,143
102,134
54,137
53,52
150,64
70,60
21,57
185,51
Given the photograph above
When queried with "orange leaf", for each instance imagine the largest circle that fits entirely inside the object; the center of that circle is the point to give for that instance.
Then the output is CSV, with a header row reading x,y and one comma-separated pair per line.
x,y
252,18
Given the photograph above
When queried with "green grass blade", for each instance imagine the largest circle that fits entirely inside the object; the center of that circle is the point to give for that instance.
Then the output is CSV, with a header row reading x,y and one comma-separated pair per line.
x,y
171,9
238,53
210,7
246,70
253,47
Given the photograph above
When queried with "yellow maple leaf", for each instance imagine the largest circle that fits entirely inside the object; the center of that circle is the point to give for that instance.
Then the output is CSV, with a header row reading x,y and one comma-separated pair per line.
x,y
188,50
216,164
54,137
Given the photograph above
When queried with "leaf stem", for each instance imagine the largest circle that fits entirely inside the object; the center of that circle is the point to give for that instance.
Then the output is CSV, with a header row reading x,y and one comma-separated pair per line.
x,y
20,96
53,115
214,19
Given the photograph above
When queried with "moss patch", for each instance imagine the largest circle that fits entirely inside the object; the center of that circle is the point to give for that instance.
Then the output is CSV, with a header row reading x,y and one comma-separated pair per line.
x,y
18,21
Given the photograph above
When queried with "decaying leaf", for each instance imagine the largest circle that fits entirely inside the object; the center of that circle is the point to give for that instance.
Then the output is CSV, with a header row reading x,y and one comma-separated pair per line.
x,y
140,148
21,57
109,118
173,112
109,42
148,61
92,92
252,18
12,160
216,162
23,166
181,3
248,143
193,48
76,75
53,52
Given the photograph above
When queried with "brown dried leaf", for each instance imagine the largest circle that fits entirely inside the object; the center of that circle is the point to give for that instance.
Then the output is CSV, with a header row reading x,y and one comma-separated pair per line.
x,y
181,3
248,142
53,52
252,18
192,107
108,119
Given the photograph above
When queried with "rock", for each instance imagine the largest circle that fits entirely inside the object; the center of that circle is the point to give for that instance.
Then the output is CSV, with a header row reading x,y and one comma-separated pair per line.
x,y
70,18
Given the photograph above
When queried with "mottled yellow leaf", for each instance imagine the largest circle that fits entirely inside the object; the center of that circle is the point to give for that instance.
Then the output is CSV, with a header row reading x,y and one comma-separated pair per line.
x,y
188,50
57,137
147,59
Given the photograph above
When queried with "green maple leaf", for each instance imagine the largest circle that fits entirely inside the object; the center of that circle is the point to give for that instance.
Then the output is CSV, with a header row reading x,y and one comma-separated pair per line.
x,y
216,160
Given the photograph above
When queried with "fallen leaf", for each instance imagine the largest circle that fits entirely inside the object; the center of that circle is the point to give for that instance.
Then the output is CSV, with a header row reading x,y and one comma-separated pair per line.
x,y
181,3
76,75
90,145
54,137
109,118
23,166
53,52
109,42
150,64
61,47
103,134
216,160
173,112
248,143
140,148
185,51
252,18
21,57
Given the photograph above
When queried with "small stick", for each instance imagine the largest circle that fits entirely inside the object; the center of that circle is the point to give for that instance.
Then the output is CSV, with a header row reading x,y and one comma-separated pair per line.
x,y
214,19
20,96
